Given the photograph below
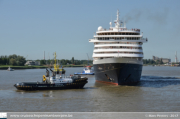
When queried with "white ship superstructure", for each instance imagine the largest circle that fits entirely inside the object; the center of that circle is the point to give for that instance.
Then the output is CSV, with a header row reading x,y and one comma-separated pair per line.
x,y
116,46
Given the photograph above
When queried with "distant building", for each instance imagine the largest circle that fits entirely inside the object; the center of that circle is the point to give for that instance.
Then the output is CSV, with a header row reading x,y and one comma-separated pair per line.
x,y
168,64
164,60
31,63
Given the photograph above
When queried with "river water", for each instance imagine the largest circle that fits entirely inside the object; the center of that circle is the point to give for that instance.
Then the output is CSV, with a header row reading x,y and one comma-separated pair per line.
x,y
158,91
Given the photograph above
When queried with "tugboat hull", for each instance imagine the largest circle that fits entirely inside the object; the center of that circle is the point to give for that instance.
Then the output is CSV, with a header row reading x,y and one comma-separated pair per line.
x,y
46,86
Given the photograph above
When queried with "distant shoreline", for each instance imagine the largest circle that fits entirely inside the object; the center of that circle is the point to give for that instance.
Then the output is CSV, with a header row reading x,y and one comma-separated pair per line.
x,y
35,67
4,67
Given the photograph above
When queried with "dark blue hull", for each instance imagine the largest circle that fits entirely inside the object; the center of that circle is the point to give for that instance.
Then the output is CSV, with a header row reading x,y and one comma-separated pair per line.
x,y
118,73
83,73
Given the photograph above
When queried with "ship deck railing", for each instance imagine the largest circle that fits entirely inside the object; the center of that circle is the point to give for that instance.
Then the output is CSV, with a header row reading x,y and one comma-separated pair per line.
x,y
121,29
100,48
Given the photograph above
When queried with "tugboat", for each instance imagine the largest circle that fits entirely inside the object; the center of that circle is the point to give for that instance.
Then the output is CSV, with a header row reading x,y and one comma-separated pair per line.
x,y
10,69
54,82
87,71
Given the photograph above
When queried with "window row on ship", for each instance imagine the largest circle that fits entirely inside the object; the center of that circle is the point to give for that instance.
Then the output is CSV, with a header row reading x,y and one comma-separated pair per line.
x,y
134,43
118,47
119,53
118,33
118,38
137,58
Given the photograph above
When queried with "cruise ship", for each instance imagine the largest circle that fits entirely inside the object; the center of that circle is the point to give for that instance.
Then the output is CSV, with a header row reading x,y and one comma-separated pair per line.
x,y
118,54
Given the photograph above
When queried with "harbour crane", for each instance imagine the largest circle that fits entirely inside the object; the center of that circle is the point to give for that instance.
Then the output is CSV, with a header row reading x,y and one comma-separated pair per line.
x,y
88,58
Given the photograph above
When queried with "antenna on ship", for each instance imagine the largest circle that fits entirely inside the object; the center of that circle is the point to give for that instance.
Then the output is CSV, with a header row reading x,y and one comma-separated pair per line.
x,y
117,20
110,23
124,24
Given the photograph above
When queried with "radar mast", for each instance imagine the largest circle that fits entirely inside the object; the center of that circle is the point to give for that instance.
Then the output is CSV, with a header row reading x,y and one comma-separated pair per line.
x,y
117,20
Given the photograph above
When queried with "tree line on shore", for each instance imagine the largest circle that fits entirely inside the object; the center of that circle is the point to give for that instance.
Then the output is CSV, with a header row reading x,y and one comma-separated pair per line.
x,y
17,60
14,59
66,62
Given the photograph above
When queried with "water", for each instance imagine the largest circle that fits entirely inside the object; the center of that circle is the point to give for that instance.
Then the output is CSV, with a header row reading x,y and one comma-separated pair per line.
x,y
158,91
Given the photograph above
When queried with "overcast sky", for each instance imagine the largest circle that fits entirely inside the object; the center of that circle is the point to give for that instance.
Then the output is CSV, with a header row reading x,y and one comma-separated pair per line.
x,y
30,27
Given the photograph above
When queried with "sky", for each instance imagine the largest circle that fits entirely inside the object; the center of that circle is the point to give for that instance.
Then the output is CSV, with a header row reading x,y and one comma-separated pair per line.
x,y
30,27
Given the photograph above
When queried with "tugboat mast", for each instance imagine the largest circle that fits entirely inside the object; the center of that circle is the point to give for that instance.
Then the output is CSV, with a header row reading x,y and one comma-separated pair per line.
x,y
56,66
